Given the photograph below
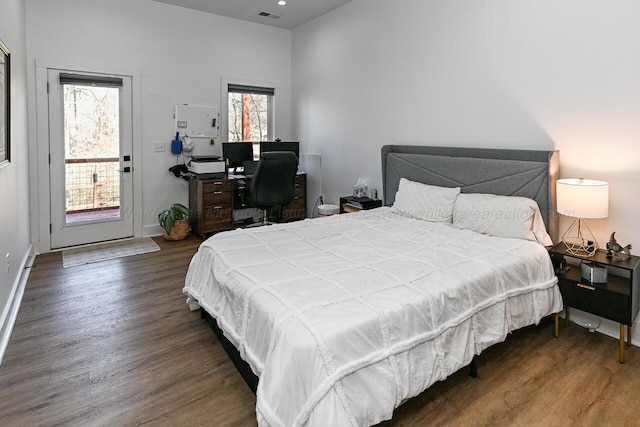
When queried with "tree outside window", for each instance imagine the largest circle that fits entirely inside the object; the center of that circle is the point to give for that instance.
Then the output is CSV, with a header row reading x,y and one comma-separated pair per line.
x,y
249,113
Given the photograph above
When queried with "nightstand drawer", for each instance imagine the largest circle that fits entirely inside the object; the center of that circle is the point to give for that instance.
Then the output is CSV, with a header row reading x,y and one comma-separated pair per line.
x,y
596,300
355,204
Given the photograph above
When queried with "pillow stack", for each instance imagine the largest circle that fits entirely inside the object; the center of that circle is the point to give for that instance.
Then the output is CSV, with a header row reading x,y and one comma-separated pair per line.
x,y
500,216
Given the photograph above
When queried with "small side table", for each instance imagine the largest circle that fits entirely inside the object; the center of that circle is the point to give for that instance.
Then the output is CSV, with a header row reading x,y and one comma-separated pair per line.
x,y
618,299
356,204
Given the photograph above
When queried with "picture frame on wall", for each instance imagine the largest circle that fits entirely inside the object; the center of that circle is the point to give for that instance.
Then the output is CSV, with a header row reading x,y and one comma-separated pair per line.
x,y
5,104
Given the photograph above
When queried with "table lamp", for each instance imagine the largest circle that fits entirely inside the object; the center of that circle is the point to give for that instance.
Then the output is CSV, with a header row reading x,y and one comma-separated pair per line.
x,y
582,199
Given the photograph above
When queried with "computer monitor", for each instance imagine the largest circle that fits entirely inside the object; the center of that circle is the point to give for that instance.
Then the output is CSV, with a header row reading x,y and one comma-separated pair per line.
x,y
280,146
234,153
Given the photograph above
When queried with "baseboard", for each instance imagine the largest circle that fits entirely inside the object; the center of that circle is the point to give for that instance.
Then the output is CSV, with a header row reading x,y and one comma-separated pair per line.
x,y
152,230
605,326
15,299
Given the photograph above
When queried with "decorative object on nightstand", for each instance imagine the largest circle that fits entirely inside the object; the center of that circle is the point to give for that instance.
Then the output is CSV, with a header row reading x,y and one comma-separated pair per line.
x,y
613,293
614,248
360,189
582,199
593,273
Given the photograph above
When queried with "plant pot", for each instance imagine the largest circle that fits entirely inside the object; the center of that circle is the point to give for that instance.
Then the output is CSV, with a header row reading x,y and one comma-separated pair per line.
x,y
179,231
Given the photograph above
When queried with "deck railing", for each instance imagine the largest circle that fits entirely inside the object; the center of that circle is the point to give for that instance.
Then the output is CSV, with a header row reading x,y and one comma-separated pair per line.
x,y
92,184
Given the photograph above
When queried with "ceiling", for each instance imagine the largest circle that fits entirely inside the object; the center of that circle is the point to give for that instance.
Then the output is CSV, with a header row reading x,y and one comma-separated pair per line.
x,y
293,14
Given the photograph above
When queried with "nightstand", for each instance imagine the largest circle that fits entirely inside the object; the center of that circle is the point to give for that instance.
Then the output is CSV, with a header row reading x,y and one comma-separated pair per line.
x,y
355,204
617,299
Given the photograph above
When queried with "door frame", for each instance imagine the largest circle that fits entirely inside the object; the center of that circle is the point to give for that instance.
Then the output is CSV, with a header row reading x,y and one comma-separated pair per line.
x,y
40,199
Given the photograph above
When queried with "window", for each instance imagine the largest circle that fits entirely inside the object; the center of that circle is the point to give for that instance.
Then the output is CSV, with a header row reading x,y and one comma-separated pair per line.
x,y
250,113
91,126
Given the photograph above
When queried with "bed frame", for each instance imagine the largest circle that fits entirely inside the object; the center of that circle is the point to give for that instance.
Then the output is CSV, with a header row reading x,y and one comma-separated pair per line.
x,y
523,173
243,367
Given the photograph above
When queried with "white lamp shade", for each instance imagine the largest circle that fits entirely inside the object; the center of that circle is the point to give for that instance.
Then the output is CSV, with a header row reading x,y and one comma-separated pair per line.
x,y
582,198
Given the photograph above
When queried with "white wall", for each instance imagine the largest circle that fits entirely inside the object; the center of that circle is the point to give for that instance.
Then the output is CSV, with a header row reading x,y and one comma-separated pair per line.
x,y
496,73
14,178
517,74
181,55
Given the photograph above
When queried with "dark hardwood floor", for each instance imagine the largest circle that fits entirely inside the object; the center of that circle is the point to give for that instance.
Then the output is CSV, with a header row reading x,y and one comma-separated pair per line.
x,y
113,343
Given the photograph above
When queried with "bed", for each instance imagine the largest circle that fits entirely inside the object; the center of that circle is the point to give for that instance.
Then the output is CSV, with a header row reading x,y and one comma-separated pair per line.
x,y
344,318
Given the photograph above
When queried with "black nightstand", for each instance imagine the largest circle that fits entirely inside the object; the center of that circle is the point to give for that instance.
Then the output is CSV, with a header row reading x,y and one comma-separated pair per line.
x,y
618,299
355,204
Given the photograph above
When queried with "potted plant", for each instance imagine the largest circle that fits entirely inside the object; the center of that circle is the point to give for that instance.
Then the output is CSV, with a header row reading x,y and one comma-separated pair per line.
x,y
175,222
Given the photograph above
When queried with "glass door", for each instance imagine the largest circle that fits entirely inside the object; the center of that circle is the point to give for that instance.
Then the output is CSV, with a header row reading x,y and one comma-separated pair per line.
x,y
90,148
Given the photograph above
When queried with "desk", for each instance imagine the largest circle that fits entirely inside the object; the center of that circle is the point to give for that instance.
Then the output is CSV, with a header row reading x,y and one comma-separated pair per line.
x,y
213,201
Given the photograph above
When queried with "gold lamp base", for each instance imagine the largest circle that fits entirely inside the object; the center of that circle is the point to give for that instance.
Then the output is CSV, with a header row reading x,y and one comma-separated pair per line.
x,y
579,239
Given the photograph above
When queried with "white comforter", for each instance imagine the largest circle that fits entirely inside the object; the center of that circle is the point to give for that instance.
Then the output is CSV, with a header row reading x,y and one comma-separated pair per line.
x,y
345,317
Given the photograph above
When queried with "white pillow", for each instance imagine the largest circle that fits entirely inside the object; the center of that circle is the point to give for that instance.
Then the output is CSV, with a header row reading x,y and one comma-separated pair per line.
x,y
427,202
501,216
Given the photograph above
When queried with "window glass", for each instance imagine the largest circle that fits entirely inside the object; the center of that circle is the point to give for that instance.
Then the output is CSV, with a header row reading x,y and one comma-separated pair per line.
x,y
92,151
250,116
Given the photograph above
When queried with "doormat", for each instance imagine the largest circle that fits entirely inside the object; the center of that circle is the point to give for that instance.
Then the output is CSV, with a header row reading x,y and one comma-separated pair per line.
x,y
106,251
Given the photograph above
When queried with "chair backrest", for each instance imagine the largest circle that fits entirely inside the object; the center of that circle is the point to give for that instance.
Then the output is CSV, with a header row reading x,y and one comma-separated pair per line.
x,y
273,183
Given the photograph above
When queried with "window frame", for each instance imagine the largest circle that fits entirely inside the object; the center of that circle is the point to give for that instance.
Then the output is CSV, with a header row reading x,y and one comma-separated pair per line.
x,y
271,106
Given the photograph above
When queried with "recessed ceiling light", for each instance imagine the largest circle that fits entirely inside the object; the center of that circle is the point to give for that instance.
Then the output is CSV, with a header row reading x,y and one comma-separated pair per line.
x,y
282,2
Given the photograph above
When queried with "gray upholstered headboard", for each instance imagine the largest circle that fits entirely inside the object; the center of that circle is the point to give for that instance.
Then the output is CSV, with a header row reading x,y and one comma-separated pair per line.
x,y
525,173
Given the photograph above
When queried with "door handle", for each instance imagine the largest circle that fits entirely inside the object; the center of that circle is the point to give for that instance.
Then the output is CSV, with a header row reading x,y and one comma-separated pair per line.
x,y
126,169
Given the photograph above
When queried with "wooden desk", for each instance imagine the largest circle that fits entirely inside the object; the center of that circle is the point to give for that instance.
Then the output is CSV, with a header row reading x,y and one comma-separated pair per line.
x,y
213,201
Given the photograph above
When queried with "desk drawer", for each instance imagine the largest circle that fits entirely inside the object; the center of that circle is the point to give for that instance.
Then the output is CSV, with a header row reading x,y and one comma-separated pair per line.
x,y
217,185
294,210
217,198
215,218
212,224
217,212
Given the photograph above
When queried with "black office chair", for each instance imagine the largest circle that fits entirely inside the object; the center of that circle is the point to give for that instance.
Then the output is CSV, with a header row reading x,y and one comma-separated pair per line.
x,y
273,184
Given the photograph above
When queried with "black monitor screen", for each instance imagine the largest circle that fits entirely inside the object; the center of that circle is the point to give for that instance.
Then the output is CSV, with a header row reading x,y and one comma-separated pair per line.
x,y
280,146
237,152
